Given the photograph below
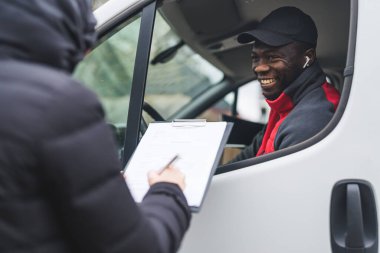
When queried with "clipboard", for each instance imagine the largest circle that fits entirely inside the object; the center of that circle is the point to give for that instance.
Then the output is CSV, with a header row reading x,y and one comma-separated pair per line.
x,y
199,145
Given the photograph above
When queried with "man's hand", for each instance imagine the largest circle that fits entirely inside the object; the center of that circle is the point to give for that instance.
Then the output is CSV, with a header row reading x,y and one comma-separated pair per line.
x,y
169,175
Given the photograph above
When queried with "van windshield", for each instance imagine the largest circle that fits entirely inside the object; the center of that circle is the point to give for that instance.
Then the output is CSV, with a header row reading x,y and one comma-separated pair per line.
x,y
177,77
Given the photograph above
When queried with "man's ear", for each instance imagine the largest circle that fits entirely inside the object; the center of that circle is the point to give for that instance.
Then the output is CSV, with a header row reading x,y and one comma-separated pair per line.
x,y
310,55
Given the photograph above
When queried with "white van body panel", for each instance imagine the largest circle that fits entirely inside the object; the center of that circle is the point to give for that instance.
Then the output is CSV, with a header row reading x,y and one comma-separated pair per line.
x,y
283,205
277,206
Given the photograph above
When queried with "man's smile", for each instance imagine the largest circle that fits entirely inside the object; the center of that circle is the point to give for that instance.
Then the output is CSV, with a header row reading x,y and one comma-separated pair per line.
x,y
267,83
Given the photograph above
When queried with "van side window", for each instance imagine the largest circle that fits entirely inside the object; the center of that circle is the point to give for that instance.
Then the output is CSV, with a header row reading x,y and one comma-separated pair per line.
x,y
108,71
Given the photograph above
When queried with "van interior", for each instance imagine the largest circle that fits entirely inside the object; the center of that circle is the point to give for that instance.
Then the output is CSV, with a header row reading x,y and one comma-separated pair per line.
x,y
211,27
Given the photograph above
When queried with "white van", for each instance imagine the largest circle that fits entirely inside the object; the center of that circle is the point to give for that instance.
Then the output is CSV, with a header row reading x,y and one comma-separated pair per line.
x,y
161,60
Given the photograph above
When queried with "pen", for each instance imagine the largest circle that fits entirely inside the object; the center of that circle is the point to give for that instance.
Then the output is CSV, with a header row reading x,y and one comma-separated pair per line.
x,y
175,158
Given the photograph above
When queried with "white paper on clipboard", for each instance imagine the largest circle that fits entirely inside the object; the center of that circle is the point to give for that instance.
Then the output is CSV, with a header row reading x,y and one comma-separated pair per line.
x,y
199,145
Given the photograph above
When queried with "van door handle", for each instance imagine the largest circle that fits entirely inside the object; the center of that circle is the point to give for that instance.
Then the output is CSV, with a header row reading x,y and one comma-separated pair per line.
x,y
355,230
353,218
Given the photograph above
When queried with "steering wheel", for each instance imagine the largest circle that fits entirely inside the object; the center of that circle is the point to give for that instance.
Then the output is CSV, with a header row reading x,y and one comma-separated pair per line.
x,y
152,113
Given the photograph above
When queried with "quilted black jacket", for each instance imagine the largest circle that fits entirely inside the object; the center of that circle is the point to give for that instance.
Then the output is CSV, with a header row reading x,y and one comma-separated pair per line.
x,y
60,183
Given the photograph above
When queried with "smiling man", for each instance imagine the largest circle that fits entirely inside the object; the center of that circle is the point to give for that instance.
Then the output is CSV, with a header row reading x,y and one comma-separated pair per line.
x,y
284,60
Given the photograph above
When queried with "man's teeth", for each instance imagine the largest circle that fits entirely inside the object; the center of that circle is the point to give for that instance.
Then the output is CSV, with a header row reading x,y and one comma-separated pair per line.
x,y
267,81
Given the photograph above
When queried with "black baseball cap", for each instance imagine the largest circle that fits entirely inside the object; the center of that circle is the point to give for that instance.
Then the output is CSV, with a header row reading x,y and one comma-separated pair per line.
x,y
283,26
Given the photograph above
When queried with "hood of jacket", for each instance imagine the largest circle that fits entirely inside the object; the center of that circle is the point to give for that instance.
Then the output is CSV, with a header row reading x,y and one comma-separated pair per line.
x,y
52,32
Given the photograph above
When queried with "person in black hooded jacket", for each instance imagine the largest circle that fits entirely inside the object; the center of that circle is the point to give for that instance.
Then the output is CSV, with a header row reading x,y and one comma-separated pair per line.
x,y
60,184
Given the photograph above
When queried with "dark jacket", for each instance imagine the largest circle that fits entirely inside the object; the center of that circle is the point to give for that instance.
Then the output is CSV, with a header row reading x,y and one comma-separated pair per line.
x,y
301,111
60,184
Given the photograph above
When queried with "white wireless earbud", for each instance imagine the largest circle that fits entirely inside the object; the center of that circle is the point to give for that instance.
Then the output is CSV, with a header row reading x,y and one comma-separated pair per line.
x,y
307,62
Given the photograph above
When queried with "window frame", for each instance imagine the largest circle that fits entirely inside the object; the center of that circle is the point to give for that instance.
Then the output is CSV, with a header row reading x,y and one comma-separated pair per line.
x,y
147,11
132,132
347,83
139,81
